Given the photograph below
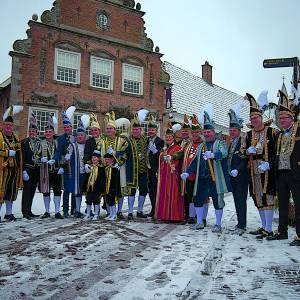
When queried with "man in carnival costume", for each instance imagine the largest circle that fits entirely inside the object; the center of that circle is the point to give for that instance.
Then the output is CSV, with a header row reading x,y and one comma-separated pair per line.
x,y
11,166
212,178
288,166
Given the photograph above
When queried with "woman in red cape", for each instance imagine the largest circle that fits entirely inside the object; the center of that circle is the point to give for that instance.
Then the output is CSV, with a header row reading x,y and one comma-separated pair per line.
x,y
169,202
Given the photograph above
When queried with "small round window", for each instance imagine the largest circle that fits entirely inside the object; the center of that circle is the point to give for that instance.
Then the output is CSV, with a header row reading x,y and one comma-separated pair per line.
x,y
102,20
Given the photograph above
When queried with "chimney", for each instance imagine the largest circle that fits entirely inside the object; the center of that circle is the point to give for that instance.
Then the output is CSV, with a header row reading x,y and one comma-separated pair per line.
x,y
207,72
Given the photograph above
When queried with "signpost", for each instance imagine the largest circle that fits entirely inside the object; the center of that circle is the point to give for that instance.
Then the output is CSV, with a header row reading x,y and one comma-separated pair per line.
x,y
283,63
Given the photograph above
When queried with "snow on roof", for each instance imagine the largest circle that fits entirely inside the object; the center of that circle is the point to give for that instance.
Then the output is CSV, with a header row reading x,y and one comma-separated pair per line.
x,y
5,83
190,93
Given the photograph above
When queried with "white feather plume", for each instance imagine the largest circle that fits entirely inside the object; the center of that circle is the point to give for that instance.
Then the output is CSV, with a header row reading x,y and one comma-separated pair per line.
x,y
70,112
238,107
55,122
122,122
142,114
176,127
295,95
16,109
262,99
85,119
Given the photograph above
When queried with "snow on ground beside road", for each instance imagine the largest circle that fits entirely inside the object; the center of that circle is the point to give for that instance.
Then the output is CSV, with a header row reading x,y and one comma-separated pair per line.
x,y
76,259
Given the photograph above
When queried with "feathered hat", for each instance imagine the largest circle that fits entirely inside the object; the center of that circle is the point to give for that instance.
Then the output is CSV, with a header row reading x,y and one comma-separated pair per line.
x,y
195,123
257,107
51,123
176,127
285,105
151,121
94,121
234,115
83,123
96,153
139,118
110,119
9,114
186,123
169,129
206,117
67,116
33,122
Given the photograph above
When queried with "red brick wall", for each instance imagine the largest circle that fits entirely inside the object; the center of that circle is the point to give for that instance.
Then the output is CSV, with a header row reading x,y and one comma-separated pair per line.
x,y
46,37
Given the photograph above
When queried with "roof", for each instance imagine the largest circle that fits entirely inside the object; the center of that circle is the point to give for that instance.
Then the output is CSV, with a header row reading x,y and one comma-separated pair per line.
x,y
190,93
5,83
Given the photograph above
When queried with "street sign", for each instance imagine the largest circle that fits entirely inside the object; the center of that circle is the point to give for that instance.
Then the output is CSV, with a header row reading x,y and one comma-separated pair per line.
x,y
280,62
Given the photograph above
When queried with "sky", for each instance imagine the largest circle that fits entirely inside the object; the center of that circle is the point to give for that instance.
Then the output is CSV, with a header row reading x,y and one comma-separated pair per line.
x,y
234,36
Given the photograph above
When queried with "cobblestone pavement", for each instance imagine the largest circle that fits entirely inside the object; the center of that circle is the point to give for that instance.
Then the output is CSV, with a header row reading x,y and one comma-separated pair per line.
x,y
71,259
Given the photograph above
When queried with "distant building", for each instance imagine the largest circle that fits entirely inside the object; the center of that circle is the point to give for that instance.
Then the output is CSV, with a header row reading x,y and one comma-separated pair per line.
x,y
191,92
91,54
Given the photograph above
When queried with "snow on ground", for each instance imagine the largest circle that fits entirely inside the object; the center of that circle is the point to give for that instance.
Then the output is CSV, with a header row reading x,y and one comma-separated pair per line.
x,y
76,259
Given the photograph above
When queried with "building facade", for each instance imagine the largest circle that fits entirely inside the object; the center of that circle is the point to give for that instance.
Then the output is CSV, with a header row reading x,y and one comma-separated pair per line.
x,y
93,54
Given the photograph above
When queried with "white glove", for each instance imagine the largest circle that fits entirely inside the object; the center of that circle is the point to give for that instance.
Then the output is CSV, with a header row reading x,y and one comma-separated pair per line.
x,y
51,162
209,154
251,150
153,148
117,167
234,173
87,168
44,159
67,156
11,153
264,166
184,176
167,157
110,150
60,171
25,176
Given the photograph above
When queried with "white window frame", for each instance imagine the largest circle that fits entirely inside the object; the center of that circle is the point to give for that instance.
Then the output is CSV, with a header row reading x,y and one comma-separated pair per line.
x,y
111,81
57,50
36,108
142,79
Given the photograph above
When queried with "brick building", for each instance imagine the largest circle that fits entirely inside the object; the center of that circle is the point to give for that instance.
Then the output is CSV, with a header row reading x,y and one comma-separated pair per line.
x,y
93,54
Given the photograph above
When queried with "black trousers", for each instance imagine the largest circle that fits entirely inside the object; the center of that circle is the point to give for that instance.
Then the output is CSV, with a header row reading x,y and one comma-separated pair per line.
x,y
240,194
152,186
285,186
143,185
29,190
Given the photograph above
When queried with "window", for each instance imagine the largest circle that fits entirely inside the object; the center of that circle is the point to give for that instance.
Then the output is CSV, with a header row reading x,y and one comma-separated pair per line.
x,y
42,115
76,119
67,66
101,73
132,79
122,129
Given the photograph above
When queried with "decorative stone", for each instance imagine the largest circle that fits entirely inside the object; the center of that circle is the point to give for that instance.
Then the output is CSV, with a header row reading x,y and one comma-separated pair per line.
x,y
121,111
129,3
41,98
85,104
149,44
35,17
157,49
138,6
52,17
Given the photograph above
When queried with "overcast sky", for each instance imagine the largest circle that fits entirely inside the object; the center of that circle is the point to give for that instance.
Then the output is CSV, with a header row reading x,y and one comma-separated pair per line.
x,y
235,36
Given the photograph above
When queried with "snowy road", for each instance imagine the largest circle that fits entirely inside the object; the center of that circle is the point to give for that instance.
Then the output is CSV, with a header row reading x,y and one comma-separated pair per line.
x,y
71,259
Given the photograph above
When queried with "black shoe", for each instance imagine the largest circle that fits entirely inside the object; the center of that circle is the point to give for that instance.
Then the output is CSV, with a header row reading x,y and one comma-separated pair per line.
x,y
295,242
204,222
264,234
120,216
77,215
141,215
31,215
191,221
58,216
278,236
10,218
66,215
45,215
27,217
130,216
257,232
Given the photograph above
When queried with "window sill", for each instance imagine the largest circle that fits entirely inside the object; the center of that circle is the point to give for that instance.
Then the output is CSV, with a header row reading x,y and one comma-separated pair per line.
x,y
77,85
132,95
100,90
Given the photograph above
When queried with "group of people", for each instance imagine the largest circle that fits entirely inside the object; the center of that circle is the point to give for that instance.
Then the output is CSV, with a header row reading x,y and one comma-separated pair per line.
x,y
181,173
